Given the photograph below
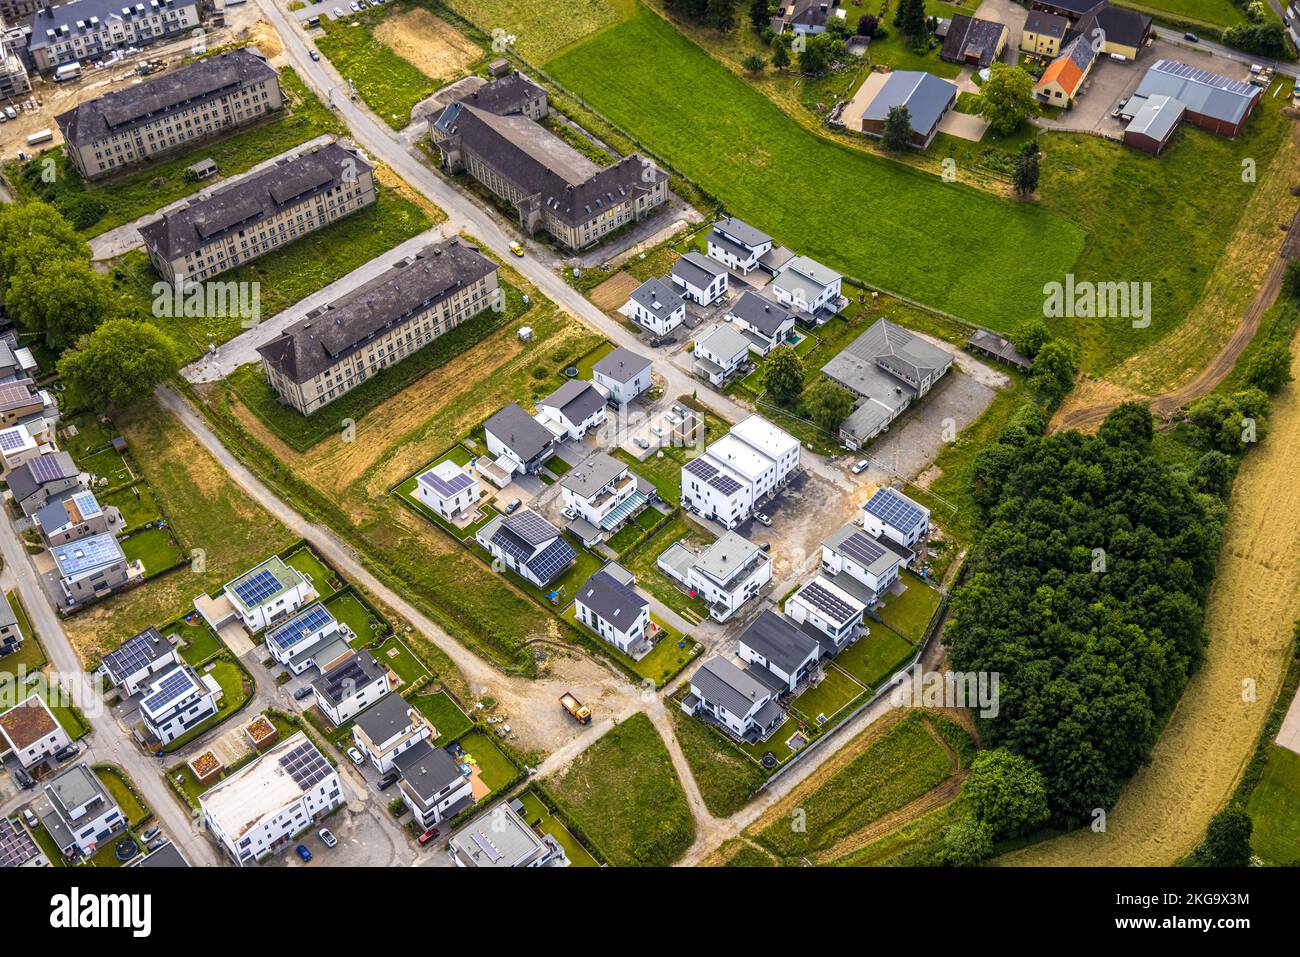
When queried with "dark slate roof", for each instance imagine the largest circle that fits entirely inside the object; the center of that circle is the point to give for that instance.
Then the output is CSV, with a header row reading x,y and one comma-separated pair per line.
x,y
285,184
889,346
925,95
971,35
813,13
621,365
999,346
617,604
342,681
764,315
31,476
385,718
157,97
656,294
741,231
330,333
168,855
779,640
504,95
1074,8
698,270
136,652
550,171
426,769
67,14
1047,24
577,399
1119,25
722,683
522,434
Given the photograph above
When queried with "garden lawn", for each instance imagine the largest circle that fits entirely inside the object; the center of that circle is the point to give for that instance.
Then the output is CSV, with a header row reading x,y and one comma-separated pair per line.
x,y
641,562
444,714
136,503
306,561
31,656
540,818
623,795
1274,808
115,783
155,547
92,434
909,614
347,609
109,464
390,84
876,657
727,778
836,691
201,641
396,656
866,216
237,688
494,769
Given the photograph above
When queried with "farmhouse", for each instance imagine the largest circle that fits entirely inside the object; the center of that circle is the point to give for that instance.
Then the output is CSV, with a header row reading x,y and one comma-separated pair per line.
x,y
448,489
295,196
78,811
972,41
623,375
304,640
830,613
764,323
737,245
573,410
1122,32
350,686
167,112
551,185
88,30
1044,33
92,567
177,700
656,305
604,492
529,545
753,460
336,347
806,16
735,699
778,646
926,97
1064,76
262,806
29,732
1208,100
432,784
719,353
75,515
615,612
138,659
858,563
725,575
520,440
886,368
810,289
891,514
34,483
502,838
700,280
388,729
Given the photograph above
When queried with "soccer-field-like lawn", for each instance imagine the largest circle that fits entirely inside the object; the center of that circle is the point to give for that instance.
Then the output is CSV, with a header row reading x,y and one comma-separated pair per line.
x,y
956,249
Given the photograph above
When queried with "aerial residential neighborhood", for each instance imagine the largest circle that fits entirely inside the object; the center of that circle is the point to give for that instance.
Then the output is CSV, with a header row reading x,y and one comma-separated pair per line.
x,y
650,433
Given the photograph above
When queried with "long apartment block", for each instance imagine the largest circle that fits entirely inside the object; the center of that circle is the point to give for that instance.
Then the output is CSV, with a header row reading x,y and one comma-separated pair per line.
x,y
92,29
267,210
205,99
335,348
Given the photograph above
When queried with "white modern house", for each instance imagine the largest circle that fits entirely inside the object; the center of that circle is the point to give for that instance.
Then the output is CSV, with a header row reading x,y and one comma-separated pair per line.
x,y
351,686
778,645
261,807
604,492
753,460
807,286
833,611
501,838
299,642
29,732
615,612
176,701
735,699
725,575
719,352
388,729
432,783
528,545
766,324
622,375
448,489
699,279
78,811
518,441
573,410
16,447
737,245
858,563
137,659
262,595
891,514
657,305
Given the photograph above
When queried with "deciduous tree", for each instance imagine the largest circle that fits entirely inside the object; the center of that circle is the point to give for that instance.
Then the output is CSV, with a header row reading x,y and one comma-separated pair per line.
x,y
828,404
1007,98
783,376
118,364
897,135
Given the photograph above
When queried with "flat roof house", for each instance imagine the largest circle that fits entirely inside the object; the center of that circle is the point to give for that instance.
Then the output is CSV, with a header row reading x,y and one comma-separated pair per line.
x,y
777,645
260,808
176,701
972,41
891,514
89,30
350,686
529,545
16,447
622,374
263,595
719,353
30,732
573,410
137,659
725,575
92,567
432,783
387,729
502,838
764,323
304,640
857,563
603,491
34,483
78,811
733,475
516,435
832,614
75,515
926,97
701,280
656,305
447,488
810,289
736,700
737,245
616,613
337,346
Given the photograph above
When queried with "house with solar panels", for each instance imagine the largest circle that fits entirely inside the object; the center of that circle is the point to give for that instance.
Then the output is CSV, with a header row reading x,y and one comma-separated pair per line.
x,y
350,686
573,410
725,575
17,847
603,492
260,808
132,663
91,568
502,838
34,483
388,729
831,614
734,699
779,653
737,245
309,638
259,597
176,701
29,732
528,545
610,608
858,563
447,488
76,515
752,462
891,514
16,447
78,812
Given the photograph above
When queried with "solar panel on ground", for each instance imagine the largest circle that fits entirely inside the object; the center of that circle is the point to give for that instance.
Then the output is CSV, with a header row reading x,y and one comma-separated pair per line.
x,y
831,605
309,621
863,548
257,588
701,469
173,686
305,765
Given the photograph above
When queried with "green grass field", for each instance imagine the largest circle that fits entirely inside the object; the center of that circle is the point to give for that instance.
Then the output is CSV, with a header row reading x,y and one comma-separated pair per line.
x,y
869,217
1219,13
443,713
115,782
136,503
307,562
1274,808
727,778
347,608
494,768
542,28
876,657
154,547
623,794
539,817
909,614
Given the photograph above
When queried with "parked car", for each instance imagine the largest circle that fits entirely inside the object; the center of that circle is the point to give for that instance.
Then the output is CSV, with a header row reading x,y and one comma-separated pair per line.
x,y
1191,38
353,6
642,442
158,844
388,780
315,54
513,506
763,519
569,513
150,834
30,818
338,12
860,466
327,837
517,249
3,118
657,431
355,756
67,752
303,853
764,546
24,779
429,835
303,692
11,113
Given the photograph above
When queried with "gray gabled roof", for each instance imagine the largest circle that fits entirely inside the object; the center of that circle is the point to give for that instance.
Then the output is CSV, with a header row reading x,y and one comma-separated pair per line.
x,y
1201,91
779,640
588,478
697,270
426,769
577,399
31,476
658,296
385,718
971,36
886,345
763,314
723,684
522,434
741,232
1156,117
623,365
617,604
1046,24
925,95
63,18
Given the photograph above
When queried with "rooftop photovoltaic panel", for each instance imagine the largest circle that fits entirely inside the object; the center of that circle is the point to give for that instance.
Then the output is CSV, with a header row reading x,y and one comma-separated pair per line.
x,y
306,766
701,469
174,686
87,553
552,560
512,545
889,506
532,528
300,626
446,487
862,547
16,845
257,589
12,439
46,468
724,484
132,655
86,504
829,604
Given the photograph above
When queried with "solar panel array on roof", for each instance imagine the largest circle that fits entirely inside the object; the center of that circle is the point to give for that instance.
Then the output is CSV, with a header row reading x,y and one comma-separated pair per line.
x,y
133,654
87,553
446,487
46,468
257,588
553,559
16,845
12,439
86,504
896,510
512,545
532,528
863,548
306,766
831,605
307,622
172,687
701,469
724,484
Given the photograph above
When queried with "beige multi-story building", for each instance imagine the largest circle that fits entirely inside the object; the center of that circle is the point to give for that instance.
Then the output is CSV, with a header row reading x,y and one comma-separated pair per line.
x,y
89,30
205,99
267,210
335,348
14,81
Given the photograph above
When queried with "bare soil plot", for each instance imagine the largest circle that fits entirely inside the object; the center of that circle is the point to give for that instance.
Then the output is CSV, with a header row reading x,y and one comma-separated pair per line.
x,y
613,292
428,43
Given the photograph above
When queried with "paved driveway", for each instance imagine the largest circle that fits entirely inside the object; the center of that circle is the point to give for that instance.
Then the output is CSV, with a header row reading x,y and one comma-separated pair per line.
x,y
963,125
